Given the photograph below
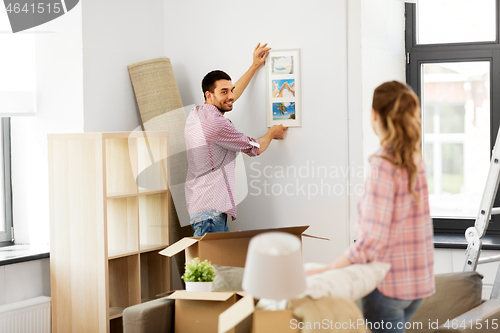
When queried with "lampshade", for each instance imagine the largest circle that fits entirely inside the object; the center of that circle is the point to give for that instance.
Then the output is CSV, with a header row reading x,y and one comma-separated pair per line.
x,y
273,267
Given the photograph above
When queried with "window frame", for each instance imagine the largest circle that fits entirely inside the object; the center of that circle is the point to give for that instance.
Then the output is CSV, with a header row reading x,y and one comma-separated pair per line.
x,y
7,238
418,54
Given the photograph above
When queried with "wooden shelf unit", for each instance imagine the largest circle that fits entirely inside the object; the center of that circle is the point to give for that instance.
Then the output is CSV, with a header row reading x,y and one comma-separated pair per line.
x,y
106,230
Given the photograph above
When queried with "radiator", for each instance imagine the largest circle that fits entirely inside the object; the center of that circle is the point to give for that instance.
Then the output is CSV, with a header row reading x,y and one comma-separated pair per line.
x,y
29,316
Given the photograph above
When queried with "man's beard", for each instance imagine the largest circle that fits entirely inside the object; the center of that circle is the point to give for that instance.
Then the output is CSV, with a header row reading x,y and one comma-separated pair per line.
x,y
224,111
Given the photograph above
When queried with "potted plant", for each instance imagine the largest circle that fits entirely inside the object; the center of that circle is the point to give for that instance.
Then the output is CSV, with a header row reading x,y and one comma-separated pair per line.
x,y
199,275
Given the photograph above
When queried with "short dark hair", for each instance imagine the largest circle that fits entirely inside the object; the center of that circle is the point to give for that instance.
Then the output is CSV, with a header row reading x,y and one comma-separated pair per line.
x,y
208,82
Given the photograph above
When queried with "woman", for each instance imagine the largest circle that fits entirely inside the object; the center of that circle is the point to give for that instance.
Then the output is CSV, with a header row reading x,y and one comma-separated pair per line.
x,y
394,224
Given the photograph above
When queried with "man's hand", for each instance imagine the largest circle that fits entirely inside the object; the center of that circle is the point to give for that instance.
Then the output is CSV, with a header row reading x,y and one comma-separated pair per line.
x,y
277,131
260,54
259,58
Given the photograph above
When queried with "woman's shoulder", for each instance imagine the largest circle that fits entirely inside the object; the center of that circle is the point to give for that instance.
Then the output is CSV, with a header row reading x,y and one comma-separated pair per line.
x,y
382,159
381,166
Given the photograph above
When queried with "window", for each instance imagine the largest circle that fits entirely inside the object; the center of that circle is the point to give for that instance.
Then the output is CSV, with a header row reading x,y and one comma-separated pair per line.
x,y
455,21
17,97
456,120
5,186
453,64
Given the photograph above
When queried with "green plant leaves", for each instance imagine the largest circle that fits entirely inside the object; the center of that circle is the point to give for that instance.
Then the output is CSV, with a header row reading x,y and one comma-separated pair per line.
x,y
197,271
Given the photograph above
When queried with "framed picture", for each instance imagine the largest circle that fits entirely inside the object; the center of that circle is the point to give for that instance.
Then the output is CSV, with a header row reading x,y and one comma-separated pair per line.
x,y
283,88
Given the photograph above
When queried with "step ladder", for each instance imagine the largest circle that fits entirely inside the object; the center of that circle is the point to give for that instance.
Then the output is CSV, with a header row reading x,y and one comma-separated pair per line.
x,y
475,234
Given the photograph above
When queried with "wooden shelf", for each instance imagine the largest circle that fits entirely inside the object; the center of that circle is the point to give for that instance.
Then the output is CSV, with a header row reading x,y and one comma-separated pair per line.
x,y
153,220
112,256
97,208
152,164
148,192
124,279
152,247
134,194
115,312
121,156
123,230
109,135
119,195
155,271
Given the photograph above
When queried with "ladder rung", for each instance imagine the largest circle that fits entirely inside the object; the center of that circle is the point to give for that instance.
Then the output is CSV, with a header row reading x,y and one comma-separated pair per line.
x,y
489,259
495,211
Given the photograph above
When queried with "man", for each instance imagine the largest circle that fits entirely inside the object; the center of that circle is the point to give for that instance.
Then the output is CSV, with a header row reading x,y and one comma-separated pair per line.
x,y
212,144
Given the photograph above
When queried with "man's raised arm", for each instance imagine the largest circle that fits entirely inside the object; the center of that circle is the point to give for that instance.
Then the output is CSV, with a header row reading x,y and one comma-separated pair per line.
x,y
259,58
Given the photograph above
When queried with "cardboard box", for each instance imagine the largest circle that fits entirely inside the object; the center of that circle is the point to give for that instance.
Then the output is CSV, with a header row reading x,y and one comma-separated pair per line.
x,y
224,248
225,312
272,321
212,312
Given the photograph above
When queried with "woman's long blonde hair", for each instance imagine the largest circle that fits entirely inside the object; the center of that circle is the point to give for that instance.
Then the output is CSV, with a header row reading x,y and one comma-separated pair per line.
x,y
399,109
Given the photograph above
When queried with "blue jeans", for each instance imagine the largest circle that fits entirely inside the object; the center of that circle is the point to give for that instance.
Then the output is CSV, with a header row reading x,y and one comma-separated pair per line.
x,y
386,314
208,222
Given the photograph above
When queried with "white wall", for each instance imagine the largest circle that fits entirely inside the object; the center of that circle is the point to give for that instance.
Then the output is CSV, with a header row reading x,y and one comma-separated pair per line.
x,y
383,49
201,36
59,109
375,54
116,33
355,108
25,280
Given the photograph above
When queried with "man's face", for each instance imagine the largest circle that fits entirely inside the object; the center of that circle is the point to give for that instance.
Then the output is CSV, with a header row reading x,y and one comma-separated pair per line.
x,y
223,95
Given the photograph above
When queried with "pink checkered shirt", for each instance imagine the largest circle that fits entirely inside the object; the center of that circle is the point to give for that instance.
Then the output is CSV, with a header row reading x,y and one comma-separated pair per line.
x,y
212,143
394,228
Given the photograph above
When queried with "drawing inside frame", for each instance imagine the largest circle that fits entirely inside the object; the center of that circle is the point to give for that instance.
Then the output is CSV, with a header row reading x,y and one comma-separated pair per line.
x,y
282,65
283,88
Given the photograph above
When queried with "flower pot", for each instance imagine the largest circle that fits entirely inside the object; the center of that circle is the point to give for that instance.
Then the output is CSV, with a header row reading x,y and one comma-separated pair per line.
x,y
198,286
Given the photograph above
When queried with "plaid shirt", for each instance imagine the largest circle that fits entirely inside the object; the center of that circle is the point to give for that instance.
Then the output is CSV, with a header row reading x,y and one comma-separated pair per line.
x,y
394,228
212,143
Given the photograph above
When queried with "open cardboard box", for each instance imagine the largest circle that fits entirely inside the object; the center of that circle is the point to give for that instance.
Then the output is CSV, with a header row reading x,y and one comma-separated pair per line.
x,y
225,248
225,312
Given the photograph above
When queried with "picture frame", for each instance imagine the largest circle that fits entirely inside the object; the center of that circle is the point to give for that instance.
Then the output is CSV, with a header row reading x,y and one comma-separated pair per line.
x,y
283,88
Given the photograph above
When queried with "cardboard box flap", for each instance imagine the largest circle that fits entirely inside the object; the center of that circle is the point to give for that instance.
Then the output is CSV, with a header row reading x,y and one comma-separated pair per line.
x,y
249,233
315,237
201,296
236,313
178,246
